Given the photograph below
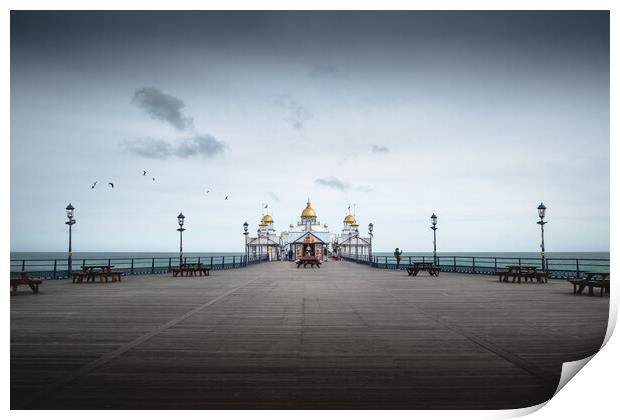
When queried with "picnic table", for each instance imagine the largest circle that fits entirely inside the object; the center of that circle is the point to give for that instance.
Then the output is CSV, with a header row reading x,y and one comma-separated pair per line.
x,y
19,278
191,270
593,279
415,268
527,272
89,272
312,261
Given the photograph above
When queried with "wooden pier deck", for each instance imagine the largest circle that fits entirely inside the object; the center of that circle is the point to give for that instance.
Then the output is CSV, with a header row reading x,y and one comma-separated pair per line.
x,y
273,336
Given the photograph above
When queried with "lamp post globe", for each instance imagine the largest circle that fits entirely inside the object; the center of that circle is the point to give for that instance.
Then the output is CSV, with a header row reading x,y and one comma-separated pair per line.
x,y
542,209
70,211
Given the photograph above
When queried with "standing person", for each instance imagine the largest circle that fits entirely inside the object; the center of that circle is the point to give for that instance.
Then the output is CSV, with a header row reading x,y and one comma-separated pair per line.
x,y
397,254
290,255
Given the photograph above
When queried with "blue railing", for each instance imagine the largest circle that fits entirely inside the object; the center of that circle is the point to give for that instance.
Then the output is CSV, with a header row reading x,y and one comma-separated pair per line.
x,y
561,268
58,268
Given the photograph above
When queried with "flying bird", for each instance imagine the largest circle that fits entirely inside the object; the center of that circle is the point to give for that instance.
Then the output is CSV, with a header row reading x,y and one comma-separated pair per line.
x,y
111,184
143,172
208,191
93,186
226,198
153,179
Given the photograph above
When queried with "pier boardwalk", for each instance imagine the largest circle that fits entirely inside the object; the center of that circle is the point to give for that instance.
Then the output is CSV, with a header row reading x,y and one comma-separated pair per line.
x,y
273,336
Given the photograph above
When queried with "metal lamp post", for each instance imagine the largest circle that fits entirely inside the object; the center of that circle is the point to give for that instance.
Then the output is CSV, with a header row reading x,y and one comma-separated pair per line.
x,y
181,220
259,244
434,227
541,213
245,233
357,244
370,228
71,221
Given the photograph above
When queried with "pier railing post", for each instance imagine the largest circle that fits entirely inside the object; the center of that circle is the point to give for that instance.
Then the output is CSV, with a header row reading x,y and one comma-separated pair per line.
x,y
454,259
153,265
223,262
211,262
23,265
495,264
473,265
54,269
386,264
234,261
577,266
131,271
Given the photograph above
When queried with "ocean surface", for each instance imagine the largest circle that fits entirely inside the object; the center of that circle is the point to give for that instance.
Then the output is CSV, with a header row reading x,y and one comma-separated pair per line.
x,y
49,261
112,255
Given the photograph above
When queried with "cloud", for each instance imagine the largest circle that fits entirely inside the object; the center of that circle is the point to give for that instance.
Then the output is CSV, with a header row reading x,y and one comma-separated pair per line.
x,y
332,182
148,147
324,70
364,188
379,149
273,195
163,107
204,145
297,114
338,184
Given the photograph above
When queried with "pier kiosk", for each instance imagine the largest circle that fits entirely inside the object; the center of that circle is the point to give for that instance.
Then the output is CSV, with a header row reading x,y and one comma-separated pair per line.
x,y
308,238
266,242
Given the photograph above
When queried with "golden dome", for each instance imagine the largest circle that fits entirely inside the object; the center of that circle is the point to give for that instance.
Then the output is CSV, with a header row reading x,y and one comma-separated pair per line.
x,y
349,219
308,211
266,219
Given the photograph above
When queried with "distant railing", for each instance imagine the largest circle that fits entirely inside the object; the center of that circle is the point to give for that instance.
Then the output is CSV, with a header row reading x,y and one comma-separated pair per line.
x,y
58,268
561,268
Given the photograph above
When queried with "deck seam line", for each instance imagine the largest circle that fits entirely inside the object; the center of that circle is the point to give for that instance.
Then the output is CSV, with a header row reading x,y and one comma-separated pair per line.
x,y
106,358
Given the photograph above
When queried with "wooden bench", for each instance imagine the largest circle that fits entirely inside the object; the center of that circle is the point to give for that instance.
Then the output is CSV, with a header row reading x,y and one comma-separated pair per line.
x,y
21,278
542,277
112,275
503,275
518,272
79,276
414,269
312,261
591,283
190,270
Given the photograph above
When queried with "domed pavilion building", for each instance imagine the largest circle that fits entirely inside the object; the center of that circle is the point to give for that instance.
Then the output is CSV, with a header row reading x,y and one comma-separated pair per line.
x,y
266,242
349,243
308,238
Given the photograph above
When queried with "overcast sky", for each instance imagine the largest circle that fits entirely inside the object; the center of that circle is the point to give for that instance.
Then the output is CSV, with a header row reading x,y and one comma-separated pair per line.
x,y
475,116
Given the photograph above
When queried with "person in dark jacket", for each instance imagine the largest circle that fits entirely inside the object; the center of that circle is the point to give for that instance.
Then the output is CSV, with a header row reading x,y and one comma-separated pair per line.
x,y
397,255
